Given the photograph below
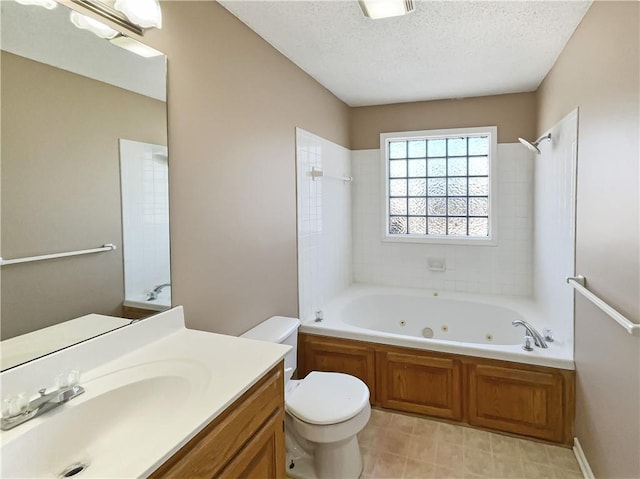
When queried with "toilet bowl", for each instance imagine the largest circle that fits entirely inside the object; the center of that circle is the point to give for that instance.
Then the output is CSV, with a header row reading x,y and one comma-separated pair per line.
x,y
325,412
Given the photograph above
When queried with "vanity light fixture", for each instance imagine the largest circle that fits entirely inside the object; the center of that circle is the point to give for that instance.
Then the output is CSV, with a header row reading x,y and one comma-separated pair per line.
x,y
134,46
132,15
145,13
48,4
94,26
376,9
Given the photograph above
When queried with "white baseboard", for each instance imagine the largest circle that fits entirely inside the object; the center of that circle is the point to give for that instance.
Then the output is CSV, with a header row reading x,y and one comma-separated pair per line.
x,y
582,460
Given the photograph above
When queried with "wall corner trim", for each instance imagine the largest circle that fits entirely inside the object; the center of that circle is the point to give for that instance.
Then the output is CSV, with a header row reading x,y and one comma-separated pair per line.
x,y
582,460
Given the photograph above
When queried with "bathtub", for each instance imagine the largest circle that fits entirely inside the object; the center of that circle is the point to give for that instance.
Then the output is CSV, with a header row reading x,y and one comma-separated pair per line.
x,y
468,324
140,301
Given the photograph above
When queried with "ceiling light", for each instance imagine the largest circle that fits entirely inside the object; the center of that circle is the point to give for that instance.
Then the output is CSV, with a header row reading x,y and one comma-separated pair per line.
x,y
48,4
94,26
136,47
145,13
375,9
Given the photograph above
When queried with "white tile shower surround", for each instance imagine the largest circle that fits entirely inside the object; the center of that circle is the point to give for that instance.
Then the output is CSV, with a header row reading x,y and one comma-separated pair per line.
x,y
145,216
553,238
324,222
502,269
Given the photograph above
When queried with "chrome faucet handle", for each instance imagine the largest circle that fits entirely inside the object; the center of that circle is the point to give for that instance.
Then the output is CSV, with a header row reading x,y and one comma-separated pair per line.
x,y
548,335
526,344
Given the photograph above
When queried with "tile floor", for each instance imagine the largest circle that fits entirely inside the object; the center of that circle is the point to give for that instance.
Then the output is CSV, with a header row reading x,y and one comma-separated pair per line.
x,y
398,446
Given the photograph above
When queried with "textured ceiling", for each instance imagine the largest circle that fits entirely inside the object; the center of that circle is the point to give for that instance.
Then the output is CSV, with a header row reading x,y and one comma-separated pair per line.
x,y
444,49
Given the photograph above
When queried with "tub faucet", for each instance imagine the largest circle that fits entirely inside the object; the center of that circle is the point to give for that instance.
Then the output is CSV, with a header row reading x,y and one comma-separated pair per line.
x,y
538,340
36,407
153,294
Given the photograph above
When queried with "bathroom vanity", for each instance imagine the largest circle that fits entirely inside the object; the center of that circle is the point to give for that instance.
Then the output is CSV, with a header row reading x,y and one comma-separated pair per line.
x,y
246,440
159,400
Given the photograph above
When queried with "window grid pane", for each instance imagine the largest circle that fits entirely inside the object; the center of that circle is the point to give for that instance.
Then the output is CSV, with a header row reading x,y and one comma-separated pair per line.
x,y
449,197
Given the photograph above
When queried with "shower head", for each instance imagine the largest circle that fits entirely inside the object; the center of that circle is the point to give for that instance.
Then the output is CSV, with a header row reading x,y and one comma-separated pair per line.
x,y
534,146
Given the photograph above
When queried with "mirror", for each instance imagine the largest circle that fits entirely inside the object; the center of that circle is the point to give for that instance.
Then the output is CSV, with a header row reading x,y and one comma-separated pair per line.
x,y
75,108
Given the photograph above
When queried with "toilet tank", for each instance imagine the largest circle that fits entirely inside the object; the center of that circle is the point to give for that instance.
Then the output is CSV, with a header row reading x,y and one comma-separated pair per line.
x,y
282,330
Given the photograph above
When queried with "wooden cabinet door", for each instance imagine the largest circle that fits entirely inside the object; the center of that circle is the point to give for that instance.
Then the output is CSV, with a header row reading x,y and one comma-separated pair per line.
x,y
519,401
338,355
218,444
263,457
419,382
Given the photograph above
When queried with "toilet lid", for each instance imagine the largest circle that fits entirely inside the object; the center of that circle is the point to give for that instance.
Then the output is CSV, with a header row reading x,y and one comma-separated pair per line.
x,y
327,398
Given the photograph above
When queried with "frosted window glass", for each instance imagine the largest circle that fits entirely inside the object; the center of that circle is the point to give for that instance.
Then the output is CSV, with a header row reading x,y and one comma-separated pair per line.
x,y
418,149
418,187
398,187
478,206
457,226
437,166
437,147
479,145
397,168
457,206
437,226
456,147
397,149
478,186
437,206
398,225
418,226
398,206
478,166
418,206
457,166
457,187
437,187
417,168
478,227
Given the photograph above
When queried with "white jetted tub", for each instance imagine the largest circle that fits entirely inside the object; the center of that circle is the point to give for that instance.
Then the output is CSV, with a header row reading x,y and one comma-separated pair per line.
x,y
469,324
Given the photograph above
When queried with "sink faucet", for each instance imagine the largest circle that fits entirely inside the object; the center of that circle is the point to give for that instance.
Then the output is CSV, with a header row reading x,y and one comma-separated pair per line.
x,y
36,407
153,294
538,340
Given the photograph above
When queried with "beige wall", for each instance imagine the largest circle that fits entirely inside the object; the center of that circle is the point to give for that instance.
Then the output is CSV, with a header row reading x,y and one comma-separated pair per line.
x,y
514,114
598,72
234,103
61,189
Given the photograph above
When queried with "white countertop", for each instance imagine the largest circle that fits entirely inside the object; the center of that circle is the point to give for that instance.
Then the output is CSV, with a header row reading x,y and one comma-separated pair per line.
x,y
32,345
220,369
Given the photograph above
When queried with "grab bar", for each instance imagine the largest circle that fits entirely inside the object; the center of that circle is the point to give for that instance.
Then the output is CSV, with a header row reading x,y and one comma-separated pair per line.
x,y
579,284
105,247
318,173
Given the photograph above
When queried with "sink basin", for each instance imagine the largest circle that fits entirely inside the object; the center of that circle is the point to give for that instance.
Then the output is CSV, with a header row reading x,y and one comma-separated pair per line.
x,y
112,429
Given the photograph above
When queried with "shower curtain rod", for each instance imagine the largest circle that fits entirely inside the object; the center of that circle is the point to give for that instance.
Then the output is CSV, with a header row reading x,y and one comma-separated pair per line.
x,y
318,173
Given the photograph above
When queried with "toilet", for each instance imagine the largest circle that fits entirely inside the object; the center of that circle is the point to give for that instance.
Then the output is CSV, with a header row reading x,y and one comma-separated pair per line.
x,y
324,412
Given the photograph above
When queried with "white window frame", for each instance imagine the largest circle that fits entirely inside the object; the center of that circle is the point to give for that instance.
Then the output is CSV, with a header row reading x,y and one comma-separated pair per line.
x,y
492,238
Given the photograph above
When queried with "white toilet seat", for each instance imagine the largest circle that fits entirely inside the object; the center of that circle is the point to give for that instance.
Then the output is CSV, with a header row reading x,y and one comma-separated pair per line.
x,y
324,399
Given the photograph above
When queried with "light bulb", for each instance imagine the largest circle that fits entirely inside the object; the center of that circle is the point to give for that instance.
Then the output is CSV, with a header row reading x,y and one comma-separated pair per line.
x,y
48,4
145,13
94,26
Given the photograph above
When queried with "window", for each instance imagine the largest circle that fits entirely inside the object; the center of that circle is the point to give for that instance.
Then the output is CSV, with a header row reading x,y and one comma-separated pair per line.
x,y
439,185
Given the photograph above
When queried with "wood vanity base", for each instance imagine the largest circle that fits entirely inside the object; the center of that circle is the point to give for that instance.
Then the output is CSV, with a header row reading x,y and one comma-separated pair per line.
x,y
517,398
130,312
245,441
